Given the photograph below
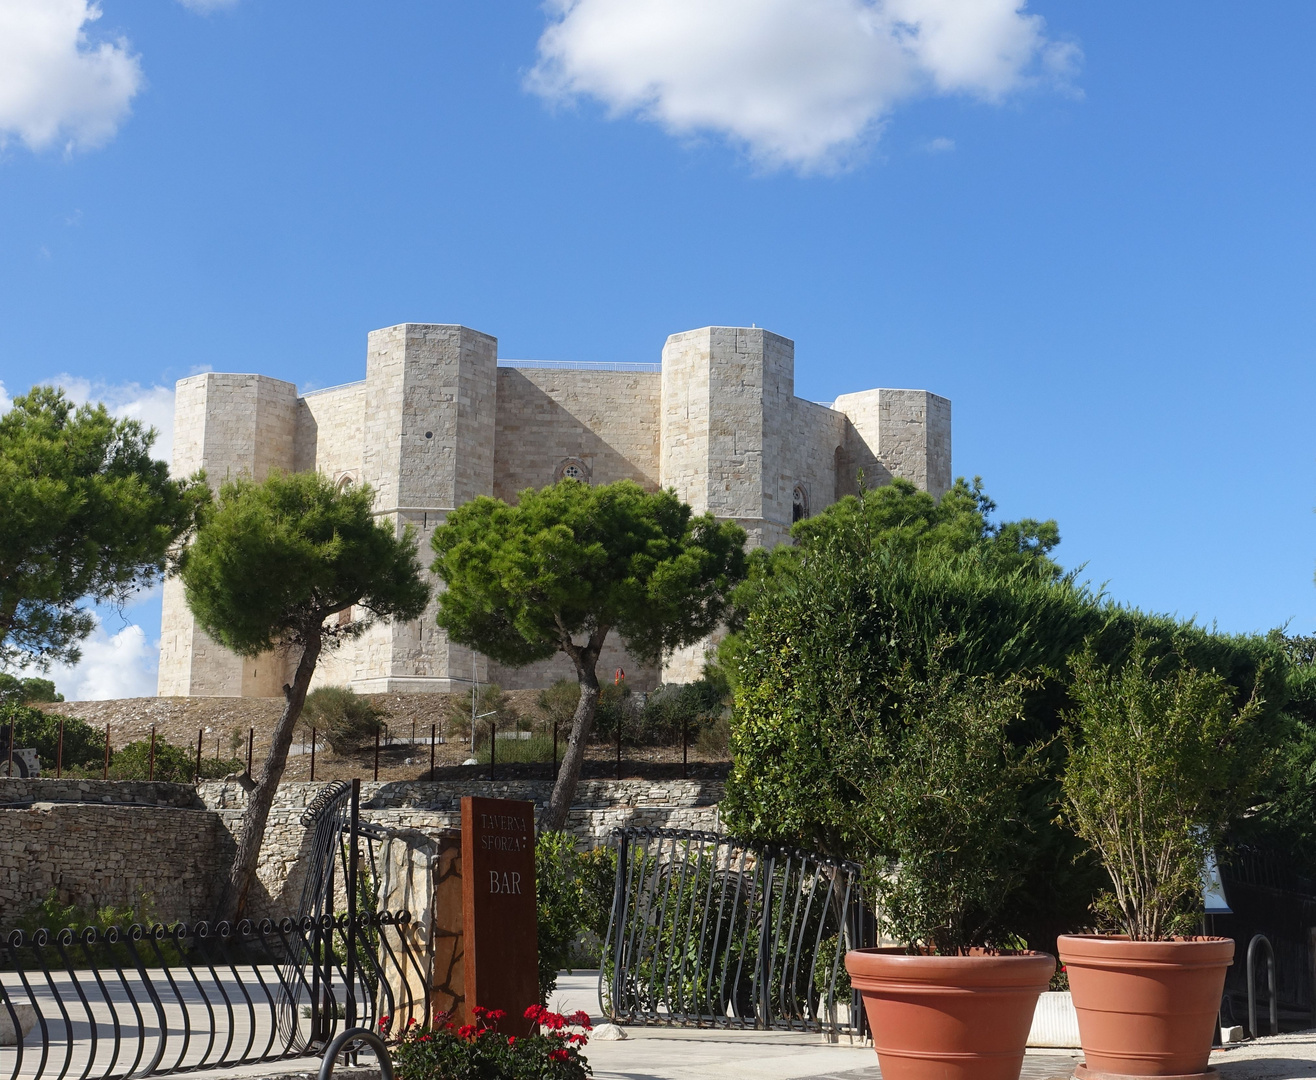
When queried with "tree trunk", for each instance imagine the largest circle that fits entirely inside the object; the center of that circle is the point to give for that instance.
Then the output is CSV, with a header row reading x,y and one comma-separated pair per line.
x,y
261,797
564,791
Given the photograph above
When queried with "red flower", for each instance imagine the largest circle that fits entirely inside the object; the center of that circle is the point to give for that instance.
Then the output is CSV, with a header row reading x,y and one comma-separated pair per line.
x,y
383,1021
581,1019
466,1031
411,1022
495,1015
424,1038
511,1040
578,1040
479,1010
535,1012
557,1055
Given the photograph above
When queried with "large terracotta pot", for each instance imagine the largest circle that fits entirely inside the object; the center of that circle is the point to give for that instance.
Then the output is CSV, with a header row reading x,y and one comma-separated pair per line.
x,y
1146,1008
949,1017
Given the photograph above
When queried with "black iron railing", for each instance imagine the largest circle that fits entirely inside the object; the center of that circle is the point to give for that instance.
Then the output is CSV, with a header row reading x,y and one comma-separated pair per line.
x,y
151,1000
709,930
138,1000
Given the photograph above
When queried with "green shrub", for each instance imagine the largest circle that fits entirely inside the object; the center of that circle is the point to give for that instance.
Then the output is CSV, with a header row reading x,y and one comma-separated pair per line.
x,y
942,790
173,764
677,709
614,709
1161,761
84,746
51,914
573,896
557,703
346,721
714,741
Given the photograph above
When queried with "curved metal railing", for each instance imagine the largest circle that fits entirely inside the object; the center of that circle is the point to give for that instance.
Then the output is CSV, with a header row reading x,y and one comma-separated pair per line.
x,y
710,930
148,1000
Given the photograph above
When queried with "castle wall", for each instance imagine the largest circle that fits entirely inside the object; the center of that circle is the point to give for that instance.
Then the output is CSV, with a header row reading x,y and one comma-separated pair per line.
x,y
436,423
231,426
605,420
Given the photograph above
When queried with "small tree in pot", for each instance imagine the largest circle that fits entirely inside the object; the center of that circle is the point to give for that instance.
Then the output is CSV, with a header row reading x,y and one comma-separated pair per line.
x,y
943,790
1161,759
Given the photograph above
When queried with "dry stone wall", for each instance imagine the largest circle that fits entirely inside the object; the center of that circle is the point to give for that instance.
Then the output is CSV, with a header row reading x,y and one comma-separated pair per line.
x,y
96,843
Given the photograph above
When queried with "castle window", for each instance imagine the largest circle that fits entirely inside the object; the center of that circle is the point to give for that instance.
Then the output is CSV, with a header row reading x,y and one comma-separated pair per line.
x,y
572,469
799,504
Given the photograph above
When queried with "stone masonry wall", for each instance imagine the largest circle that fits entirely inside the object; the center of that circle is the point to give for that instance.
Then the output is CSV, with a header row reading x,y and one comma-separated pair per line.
x,y
97,843
152,840
435,807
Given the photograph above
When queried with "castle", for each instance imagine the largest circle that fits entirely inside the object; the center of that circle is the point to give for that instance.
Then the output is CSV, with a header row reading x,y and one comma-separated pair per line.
x,y
439,419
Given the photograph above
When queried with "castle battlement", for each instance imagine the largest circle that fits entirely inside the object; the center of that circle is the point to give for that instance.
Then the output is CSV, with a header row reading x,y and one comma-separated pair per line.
x,y
439,419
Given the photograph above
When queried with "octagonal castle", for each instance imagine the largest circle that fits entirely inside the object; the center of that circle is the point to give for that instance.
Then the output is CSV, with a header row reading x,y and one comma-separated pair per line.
x,y
439,419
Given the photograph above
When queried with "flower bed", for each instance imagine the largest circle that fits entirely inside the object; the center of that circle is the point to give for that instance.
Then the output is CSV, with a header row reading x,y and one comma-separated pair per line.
x,y
479,1051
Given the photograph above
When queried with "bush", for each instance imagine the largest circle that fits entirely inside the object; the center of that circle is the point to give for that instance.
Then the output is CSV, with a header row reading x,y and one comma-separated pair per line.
x,y
347,722
942,789
479,1051
573,895
1160,763
492,706
84,746
678,709
558,703
173,764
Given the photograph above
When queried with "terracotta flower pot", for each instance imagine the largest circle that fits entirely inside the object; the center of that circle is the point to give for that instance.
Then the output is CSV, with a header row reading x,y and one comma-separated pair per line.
x,y
949,1017
1146,1008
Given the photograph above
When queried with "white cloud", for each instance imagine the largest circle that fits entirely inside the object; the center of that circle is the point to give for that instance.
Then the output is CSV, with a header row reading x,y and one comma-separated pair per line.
x,y
153,405
6,402
204,7
56,84
939,145
800,83
121,665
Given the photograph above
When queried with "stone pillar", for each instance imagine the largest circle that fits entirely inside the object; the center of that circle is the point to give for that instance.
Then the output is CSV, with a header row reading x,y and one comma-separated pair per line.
x,y
429,448
232,426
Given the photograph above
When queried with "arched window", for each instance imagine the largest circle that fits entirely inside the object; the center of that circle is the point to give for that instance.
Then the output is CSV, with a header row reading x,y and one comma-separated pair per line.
x,y
572,469
799,504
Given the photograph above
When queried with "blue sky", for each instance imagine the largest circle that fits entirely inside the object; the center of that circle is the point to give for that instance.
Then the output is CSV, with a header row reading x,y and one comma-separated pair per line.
x,y
1090,226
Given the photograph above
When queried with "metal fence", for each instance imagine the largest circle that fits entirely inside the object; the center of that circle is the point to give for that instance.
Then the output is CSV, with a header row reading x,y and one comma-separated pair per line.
x,y
711,931
152,1000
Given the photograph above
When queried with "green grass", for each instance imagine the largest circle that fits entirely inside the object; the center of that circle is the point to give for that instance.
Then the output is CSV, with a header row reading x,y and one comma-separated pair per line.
x,y
521,751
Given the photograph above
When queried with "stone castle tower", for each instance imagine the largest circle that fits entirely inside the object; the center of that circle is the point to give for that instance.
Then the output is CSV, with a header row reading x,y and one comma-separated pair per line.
x,y
439,419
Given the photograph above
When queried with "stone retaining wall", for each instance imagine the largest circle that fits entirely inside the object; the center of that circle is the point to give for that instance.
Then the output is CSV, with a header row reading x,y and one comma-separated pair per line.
x,y
96,843
433,807
94,855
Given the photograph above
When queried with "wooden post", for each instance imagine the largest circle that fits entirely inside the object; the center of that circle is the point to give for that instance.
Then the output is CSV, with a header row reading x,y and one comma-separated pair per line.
x,y
618,747
312,755
685,748
376,751
106,774
493,747
554,774
59,751
434,731
150,759
251,743
200,737
13,734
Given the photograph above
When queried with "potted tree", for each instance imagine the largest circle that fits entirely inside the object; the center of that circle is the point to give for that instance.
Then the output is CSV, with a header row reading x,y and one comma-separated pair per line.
x,y
1161,759
941,814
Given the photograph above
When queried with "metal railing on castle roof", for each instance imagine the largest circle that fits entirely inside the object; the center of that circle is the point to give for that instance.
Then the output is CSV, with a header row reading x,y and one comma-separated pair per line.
x,y
582,365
